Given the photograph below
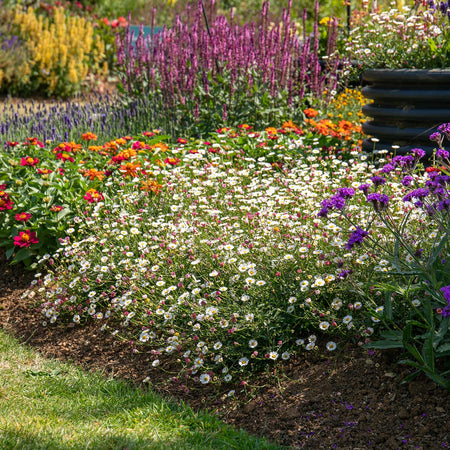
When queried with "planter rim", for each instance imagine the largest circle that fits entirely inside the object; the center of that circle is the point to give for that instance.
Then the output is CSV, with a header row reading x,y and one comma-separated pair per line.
x,y
407,75
444,69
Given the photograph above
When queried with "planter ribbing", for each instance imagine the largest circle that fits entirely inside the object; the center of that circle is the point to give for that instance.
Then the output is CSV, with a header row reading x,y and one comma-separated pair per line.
x,y
408,105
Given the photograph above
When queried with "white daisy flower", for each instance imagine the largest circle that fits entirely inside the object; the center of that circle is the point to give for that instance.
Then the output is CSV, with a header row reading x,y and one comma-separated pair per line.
x,y
243,362
205,378
331,346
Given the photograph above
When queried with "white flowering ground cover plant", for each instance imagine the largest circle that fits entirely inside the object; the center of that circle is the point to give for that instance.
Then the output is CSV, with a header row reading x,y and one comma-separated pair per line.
x,y
228,268
414,37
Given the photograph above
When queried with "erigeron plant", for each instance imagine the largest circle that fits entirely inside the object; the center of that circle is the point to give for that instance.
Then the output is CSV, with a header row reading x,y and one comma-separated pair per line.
x,y
232,270
412,37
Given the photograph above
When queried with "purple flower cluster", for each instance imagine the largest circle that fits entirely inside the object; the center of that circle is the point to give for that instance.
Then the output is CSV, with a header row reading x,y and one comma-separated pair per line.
x,y
8,43
377,181
419,193
379,201
405,161
444,128
407,180
436,137
441,153
418,153
356,237
446,292
336,202
364,188
387,168
442,131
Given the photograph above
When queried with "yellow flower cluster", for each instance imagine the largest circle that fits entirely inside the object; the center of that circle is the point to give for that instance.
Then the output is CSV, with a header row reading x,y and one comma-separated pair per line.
x,y
347,105
63,49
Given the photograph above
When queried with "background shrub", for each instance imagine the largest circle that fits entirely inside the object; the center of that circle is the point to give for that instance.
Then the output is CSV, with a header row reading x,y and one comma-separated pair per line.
x,y
203,75
62,49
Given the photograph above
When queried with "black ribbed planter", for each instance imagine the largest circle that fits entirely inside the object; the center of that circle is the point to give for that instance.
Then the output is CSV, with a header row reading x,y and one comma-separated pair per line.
x,y
408,105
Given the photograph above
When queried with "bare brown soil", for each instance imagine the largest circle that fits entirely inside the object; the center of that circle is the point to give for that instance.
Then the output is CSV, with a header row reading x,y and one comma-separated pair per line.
x,y
354,400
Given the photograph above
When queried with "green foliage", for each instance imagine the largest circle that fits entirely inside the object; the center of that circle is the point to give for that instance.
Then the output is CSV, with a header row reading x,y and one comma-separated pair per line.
x,y
50,188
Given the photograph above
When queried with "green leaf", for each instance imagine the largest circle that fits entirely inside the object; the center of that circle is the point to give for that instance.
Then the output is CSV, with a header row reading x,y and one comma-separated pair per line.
x,y
428,352
9,252
22,254
418,324
62,214
437,338
382,345
443,348
414,352
388,305
432,44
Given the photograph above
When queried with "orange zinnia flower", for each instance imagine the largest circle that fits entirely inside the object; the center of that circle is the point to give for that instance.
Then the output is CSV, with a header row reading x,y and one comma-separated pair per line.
x,y
271,130
160,146
111,145
289,125
129,169
310,112
92,174
68,147
151,185
89,136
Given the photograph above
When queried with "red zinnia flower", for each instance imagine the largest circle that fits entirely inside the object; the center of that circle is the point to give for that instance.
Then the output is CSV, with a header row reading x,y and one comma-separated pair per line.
x,y
64,157
44,171
25,238
93,196
138,145
34,141
29,161
172,161
5,201
182,141
23,216
56,208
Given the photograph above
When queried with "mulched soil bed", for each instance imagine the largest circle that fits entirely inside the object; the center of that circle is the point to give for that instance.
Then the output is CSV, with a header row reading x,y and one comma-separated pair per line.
x,y
355,401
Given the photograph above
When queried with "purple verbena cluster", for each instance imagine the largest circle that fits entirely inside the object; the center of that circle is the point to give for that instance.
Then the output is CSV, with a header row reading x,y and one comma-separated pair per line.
x,y
379,201
443,131
337,201
356,237
446,292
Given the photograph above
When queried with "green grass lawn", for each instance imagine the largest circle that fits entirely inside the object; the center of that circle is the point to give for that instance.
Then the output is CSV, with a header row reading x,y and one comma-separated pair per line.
x,y
45,404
